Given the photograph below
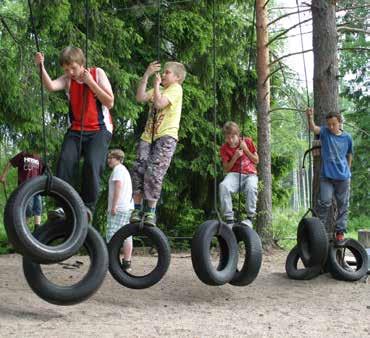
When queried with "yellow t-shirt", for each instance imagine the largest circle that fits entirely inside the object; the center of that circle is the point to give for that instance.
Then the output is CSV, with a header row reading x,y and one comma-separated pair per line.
x,y
167,120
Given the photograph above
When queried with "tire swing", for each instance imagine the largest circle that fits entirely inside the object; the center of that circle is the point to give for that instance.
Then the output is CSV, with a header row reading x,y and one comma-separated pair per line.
x,y
159,242
83,289
291,267
15,211
202,239
158,239
252,257
312,241
342,266
20,235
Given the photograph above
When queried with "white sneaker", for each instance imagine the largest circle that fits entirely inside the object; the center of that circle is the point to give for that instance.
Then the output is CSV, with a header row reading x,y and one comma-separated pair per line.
x,y
247,222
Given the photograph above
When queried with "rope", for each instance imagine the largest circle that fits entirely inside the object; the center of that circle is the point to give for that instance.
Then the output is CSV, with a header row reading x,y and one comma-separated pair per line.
x,y
214,112
85,89
47,169
243,115
308,104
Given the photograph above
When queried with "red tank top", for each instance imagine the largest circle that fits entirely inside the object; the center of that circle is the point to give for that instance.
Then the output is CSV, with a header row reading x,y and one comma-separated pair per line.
x,y
96,116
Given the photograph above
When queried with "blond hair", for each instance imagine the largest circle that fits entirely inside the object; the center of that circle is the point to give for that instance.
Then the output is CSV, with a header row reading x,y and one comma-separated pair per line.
x,y
178,69
231,127
117,154
72,54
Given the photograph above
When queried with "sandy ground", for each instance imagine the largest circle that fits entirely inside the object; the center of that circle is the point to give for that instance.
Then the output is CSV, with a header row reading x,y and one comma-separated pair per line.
x,y
181,306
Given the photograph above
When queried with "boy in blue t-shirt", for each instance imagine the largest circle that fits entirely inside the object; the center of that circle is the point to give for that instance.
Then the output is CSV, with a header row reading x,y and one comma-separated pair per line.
x,y
336,161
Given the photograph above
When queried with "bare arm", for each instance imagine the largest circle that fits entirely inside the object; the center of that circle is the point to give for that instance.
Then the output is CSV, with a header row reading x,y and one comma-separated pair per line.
x,y
229,164
252,156
311,123
160,101
141,93
5,172
50,85
349,160
116,194
103,89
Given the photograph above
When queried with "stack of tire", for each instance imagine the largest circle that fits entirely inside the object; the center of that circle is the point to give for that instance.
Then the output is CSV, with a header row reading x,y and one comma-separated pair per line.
x,y
73,232
319,255
227,269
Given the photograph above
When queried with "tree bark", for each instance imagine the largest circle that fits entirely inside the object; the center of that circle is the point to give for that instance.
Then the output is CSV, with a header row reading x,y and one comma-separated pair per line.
x,y
264,215
325,81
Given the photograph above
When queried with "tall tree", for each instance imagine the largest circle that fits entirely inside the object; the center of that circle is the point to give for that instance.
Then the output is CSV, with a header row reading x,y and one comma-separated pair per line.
x,y
325,80
264,218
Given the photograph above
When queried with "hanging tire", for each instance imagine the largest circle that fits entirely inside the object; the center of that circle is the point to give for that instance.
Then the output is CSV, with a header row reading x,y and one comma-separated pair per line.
x,y
291,267
312,241
200,253
253,255
159,242
83,289
21,237
338,267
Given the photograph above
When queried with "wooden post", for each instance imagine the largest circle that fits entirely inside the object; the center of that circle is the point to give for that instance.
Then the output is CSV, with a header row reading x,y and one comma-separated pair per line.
x,y
364,237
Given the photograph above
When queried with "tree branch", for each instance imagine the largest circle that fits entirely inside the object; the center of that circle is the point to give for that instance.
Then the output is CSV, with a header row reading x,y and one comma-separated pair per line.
x,y
355,48
287,30
352,29
285,15
287,55
9,31
285,108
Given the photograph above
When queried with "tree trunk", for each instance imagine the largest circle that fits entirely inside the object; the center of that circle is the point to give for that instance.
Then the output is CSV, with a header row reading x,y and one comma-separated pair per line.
x,y
264,218
325,81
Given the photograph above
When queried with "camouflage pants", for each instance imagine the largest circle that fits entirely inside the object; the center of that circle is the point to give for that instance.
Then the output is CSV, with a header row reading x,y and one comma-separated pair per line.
x,y
151,165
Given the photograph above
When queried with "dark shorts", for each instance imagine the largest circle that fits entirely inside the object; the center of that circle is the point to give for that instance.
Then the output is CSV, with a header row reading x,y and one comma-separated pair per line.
x,y
34,208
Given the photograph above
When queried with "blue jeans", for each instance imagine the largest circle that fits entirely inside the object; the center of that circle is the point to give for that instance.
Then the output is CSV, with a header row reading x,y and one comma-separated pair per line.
x,y
34,207
330,188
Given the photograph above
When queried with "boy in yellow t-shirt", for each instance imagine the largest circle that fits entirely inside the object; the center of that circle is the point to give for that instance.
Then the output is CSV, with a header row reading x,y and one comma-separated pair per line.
x,y
158,142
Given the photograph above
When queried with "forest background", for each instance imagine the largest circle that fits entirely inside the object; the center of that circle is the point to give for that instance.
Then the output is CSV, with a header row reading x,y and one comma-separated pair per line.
x,y
123,39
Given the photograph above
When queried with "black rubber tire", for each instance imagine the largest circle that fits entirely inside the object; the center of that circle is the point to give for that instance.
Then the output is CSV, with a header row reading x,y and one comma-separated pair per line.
x,y
83,289
200,255
21,237
338,271
300,274
312,241
253,255
159,241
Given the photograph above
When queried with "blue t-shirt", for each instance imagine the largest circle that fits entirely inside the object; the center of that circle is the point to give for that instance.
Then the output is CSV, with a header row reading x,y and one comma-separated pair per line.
x,y
334,152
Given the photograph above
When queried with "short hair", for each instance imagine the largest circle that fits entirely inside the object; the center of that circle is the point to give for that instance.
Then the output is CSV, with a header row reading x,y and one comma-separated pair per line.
x,y
72,54
334,114
231,127
117,154
178,68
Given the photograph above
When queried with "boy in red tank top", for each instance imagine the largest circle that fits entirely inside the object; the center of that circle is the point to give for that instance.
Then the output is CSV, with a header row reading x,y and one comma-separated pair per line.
x,y
90,97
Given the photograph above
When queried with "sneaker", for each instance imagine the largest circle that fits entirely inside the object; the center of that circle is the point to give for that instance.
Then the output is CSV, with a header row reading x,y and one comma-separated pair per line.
x,y
150,218
339,237
247,222
56,214
230,221
126,265
136,216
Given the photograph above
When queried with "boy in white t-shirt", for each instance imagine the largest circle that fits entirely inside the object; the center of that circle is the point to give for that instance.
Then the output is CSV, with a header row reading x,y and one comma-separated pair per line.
x,y
120,202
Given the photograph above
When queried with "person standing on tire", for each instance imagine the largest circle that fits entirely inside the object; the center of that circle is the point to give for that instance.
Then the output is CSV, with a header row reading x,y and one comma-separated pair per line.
x,y
335,177
158,142
120,202
239,159
29,165
90,97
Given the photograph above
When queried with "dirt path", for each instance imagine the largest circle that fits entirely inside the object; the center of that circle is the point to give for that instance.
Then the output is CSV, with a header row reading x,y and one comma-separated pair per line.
x,y
181,306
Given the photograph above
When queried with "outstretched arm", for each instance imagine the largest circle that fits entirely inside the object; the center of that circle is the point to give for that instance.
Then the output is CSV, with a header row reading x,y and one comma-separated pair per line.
x,y
311,123
50,85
